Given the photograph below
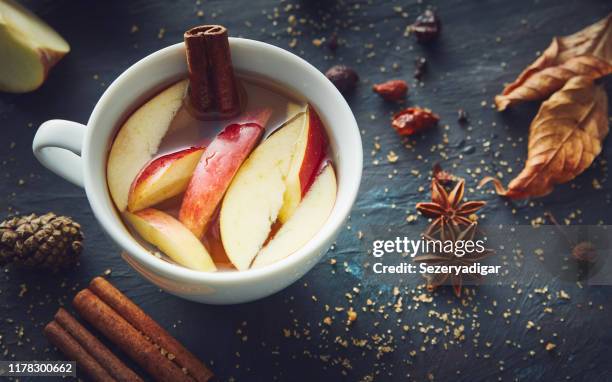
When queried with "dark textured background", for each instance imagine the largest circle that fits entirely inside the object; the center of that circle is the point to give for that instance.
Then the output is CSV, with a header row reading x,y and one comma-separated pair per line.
x,y
483,45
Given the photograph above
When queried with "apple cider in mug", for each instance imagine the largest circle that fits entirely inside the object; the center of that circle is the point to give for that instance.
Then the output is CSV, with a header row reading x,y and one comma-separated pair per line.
x,y
219,170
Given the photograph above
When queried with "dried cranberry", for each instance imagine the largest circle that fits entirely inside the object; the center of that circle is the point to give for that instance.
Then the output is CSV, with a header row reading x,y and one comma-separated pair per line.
x,y
427,27
343,77
393,90
413,120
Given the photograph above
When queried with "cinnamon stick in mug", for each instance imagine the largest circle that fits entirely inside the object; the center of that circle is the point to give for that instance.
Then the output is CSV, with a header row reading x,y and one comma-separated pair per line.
x,y
213,87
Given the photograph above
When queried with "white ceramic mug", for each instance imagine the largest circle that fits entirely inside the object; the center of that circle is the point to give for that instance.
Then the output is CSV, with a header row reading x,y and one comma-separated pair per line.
x,y
79,153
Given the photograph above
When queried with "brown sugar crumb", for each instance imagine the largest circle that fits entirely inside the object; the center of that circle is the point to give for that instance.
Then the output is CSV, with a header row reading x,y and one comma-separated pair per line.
x,y
352,316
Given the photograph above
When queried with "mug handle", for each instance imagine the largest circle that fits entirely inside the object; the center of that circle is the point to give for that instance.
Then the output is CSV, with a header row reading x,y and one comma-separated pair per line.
x,y
57,146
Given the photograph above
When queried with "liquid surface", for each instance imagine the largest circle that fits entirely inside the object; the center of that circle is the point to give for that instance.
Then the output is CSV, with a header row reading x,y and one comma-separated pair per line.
x,y
187,131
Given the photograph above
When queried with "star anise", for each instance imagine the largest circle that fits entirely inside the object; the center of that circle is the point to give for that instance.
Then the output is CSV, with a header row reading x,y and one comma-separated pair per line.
x,y
447,209
439,257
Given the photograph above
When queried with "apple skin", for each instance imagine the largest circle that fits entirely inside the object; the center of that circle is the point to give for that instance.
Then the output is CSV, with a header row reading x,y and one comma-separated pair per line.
x,y
163,178
306,221
138,140
255,196
172,238
217,167
30,48
309,153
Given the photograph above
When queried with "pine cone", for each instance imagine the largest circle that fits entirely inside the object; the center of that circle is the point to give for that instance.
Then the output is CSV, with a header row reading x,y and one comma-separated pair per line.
x,y
47,242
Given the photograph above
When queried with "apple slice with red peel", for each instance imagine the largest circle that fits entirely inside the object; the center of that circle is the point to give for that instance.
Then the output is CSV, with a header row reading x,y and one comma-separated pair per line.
x,y
305,222
138,140
309,153
172,238
217,167
163,178
255,196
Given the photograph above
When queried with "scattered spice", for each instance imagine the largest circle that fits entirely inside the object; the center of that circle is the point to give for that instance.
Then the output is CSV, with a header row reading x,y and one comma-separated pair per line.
x,y
413,120
392,90
426,27
343,77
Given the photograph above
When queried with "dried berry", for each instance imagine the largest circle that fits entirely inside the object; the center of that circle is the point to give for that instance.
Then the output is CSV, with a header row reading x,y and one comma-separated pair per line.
x,y
444,177
413,120
427,27
462,116
393,90
420,67
585,251
343,77
332,43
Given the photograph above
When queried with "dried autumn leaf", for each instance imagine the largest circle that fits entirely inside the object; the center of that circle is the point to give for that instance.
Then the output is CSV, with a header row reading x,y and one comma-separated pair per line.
x,y
543,83
564,139
587,52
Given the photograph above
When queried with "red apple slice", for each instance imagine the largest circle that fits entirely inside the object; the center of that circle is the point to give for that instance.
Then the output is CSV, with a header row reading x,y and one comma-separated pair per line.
x,y
309,153
305,222
255,196
138,140
163,178
216,169
172,238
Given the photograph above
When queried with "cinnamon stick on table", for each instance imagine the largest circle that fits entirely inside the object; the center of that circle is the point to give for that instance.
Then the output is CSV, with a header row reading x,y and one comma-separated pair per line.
x,y
113,365
128,338
92,357
214,91
145,324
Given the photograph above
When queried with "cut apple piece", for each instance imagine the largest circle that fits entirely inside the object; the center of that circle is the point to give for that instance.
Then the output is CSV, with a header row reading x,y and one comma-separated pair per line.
x,y
305,222
307,158
216,169
172,238
163,178
255,196
28,47
138,140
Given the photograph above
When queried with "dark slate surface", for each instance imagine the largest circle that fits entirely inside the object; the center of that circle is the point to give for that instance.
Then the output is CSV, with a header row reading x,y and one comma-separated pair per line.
x,y
483,45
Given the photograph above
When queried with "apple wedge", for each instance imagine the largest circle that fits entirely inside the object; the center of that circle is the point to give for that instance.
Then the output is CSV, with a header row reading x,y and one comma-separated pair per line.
x,y
138,140
305,222
309,153
216,169
255,196
172,238
28,47
163,178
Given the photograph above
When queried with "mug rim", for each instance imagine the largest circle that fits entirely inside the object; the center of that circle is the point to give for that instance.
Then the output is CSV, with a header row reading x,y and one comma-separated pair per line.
x,y
168,269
